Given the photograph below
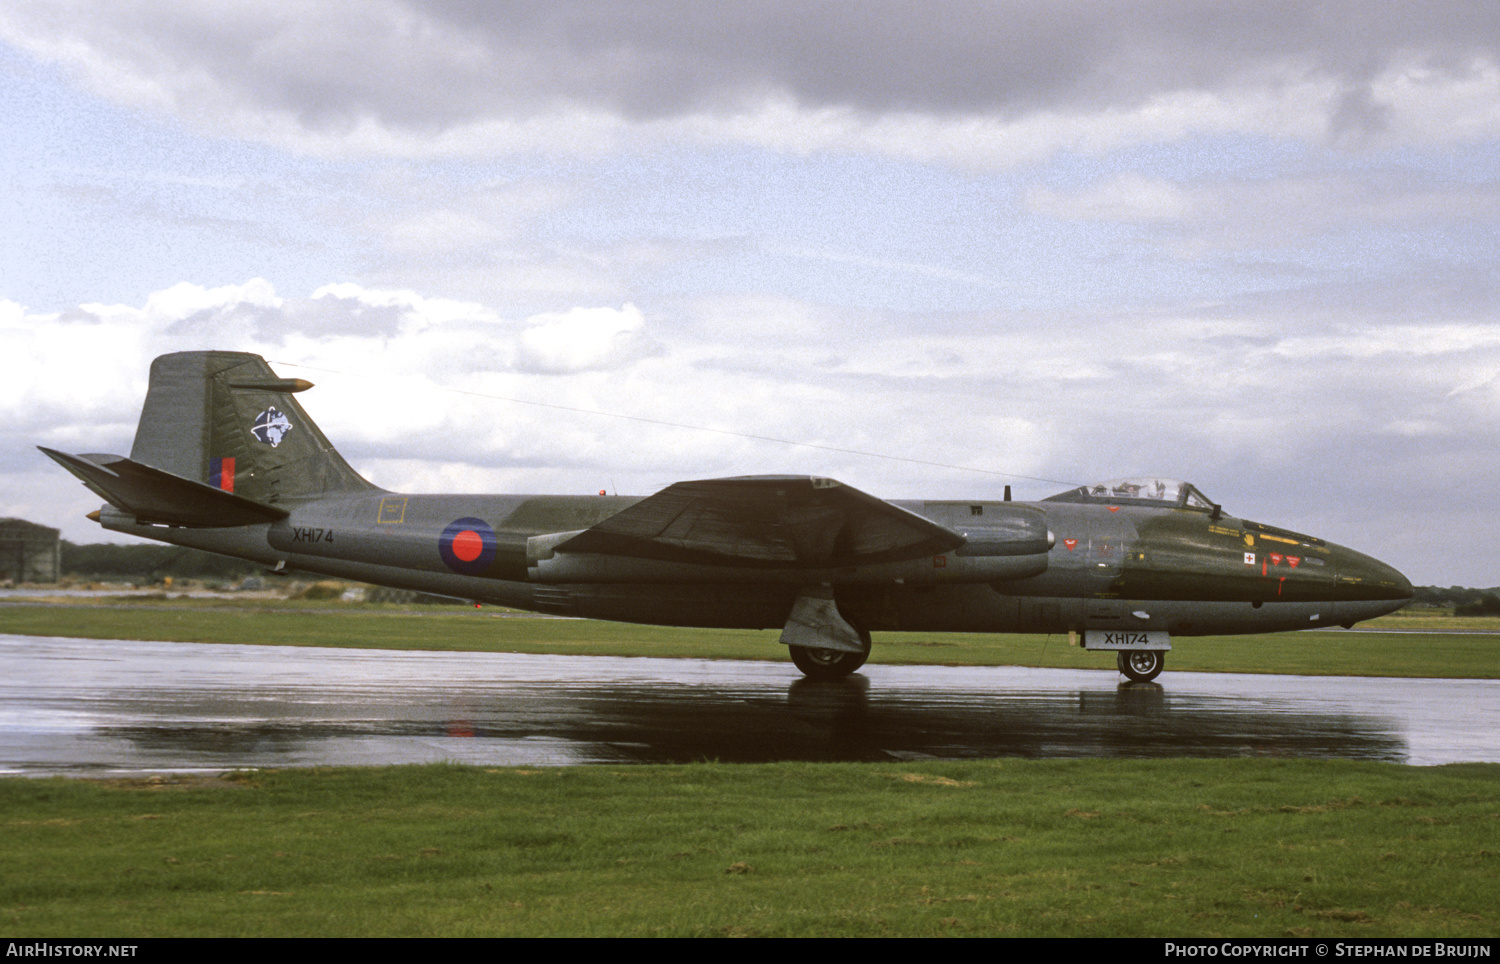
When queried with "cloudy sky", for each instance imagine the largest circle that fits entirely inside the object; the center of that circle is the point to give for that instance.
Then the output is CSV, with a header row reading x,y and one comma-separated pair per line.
x,y
1249,243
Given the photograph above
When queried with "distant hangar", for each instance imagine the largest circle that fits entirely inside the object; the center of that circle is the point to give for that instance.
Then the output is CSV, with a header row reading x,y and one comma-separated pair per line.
x,y
28,552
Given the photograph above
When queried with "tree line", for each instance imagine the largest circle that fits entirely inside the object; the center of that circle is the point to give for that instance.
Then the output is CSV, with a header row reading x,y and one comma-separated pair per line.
x,y
1462,600
108,561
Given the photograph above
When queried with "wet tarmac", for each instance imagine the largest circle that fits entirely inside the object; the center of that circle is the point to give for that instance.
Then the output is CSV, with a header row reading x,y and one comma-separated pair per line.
x,y
98,707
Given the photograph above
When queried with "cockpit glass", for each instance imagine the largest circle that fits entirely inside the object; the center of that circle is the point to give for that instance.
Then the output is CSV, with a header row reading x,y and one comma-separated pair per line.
x,y
1148,490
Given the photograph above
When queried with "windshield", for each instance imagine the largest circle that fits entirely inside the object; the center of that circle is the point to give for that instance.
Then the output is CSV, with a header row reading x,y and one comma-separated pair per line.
x,y
1147,490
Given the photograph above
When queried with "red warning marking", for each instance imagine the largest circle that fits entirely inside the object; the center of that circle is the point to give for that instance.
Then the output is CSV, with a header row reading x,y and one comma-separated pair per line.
x,y
1293,560
1114,508
1071,544
1275,558
467,545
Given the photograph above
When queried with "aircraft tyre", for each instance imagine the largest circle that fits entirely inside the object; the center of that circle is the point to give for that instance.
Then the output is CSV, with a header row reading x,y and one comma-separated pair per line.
x,y
1141,665
830,663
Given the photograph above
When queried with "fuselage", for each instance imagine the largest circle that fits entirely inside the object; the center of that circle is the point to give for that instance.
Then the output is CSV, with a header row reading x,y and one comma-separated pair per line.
x,y
1104,564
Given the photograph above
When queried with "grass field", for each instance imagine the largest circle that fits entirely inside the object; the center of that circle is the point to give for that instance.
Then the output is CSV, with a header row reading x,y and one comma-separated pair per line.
x,y
1458,652
1254,848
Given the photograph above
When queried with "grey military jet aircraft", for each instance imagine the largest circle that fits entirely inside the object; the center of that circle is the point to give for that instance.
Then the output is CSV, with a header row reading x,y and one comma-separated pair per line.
x,y
225,459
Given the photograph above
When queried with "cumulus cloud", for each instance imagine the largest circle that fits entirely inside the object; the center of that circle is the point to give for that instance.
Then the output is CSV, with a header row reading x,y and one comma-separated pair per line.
x,y
584,339
1047,391
91,361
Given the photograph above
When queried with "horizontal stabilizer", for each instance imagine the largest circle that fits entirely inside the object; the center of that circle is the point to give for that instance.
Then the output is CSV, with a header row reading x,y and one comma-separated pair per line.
x,y
770,521
156,497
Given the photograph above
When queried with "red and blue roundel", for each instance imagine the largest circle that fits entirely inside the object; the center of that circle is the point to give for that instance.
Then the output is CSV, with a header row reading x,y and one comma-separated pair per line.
x,y
467,546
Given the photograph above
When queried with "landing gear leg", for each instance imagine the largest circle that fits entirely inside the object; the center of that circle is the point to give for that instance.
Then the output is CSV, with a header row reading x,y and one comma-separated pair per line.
x,y
1141,665
830,663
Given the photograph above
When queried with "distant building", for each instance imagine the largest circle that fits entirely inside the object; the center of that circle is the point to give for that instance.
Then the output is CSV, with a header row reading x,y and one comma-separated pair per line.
x,y
28,552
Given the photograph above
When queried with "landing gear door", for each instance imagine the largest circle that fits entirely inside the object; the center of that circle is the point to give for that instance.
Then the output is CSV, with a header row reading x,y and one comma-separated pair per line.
x,y
1127,639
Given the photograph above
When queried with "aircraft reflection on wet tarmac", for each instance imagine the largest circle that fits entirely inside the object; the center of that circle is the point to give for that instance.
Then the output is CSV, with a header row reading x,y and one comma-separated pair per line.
x,y
104,706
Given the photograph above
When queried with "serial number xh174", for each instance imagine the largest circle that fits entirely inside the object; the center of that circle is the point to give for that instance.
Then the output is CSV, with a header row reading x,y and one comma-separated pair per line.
x,y
225,459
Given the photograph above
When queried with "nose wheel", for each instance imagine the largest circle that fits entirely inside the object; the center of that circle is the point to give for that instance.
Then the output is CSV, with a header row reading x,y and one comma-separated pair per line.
x,y
1141,665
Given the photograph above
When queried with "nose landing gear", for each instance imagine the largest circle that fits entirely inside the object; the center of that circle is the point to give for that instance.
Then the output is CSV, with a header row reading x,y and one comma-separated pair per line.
x,y
1141,665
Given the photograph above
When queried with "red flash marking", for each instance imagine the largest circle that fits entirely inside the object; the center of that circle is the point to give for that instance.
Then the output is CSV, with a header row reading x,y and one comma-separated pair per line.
x,y
1280,583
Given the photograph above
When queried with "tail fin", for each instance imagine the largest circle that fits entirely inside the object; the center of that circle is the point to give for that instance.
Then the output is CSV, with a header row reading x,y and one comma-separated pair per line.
x,y
226,419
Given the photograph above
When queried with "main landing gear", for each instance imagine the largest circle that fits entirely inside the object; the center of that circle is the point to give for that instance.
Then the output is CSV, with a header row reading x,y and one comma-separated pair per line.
x,y
830,663
1141,665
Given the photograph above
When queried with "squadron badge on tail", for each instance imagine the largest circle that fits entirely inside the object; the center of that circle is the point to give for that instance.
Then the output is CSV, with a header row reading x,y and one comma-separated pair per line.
x,y
271,426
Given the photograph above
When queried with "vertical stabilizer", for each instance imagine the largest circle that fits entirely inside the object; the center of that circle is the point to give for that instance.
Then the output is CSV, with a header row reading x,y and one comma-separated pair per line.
x,y
227,420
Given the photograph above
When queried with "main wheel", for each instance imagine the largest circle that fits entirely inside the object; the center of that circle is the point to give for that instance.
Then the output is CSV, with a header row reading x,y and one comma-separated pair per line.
x,y
1141,665
830,663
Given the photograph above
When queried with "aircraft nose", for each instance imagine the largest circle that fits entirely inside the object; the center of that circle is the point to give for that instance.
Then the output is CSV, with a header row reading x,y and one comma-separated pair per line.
x,y
1367,587
1364,577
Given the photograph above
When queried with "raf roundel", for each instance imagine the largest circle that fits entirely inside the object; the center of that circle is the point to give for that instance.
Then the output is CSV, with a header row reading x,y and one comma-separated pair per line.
x,y
467,546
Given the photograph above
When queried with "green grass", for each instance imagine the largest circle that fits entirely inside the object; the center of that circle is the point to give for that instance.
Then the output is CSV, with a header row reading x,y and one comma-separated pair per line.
x,y
281,623
1014,847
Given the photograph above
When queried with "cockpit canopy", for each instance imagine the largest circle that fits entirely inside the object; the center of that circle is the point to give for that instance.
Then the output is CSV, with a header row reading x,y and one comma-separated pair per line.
x,y
1146,491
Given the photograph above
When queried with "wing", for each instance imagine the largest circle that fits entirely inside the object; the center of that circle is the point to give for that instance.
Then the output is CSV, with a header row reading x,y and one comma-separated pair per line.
x,y
770,521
